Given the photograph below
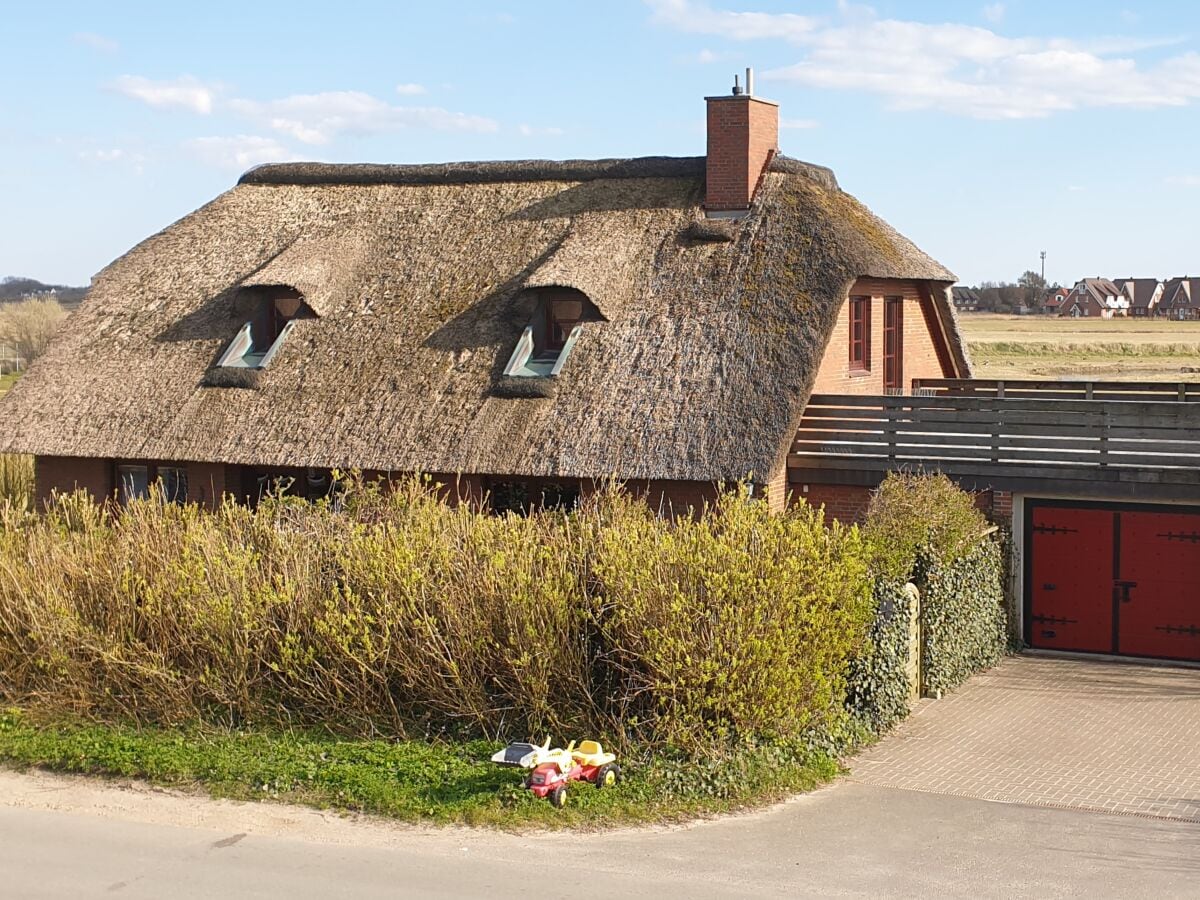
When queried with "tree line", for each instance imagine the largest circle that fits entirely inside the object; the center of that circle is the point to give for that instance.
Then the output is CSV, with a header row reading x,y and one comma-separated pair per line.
x,y
1027,292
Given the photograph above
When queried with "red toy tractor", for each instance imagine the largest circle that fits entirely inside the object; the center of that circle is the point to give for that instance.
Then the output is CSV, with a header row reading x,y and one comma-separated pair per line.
x,y
554,769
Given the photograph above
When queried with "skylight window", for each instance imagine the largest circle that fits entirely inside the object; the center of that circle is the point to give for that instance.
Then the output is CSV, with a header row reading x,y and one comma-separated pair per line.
x,y
548,339
274,310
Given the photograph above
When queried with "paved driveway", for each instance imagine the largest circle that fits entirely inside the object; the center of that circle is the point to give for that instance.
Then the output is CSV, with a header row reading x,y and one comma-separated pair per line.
x,y
1078,734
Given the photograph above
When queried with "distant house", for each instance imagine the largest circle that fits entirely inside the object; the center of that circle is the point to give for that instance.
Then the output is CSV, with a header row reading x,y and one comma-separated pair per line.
x,y
1181,299
1096,298
1143,294
1054,299
524,330
966,299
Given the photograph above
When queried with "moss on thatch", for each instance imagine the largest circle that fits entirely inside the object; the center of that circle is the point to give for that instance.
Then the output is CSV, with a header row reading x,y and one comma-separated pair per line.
x,y
420,276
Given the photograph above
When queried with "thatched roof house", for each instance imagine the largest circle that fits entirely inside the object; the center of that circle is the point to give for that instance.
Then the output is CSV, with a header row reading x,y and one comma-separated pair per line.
x,y
702,323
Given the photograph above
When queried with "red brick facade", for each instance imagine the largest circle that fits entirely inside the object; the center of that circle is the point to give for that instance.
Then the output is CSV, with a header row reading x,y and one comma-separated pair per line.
x,y
743,135
848,502
65,474
842,502
207,483
924,352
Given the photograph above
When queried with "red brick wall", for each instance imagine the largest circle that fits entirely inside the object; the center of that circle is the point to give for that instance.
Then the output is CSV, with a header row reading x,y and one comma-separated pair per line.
x,y
208,483
842,502
65,474
848,502
743,134
675,497
777,487
996,505
920,344
459,489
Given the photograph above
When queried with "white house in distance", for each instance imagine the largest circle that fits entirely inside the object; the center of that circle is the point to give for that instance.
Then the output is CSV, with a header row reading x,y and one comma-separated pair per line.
x,y
1096,298
1144,294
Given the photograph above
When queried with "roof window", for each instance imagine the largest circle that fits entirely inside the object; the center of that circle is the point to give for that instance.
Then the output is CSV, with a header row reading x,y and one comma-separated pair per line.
x,y
548,339
273,311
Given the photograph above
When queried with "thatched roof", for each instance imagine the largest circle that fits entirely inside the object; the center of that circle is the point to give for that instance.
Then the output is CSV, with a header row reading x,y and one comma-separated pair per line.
x,y
417,275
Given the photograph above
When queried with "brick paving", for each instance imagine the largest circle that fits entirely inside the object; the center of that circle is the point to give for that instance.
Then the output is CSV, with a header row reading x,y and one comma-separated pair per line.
x,y
1082,734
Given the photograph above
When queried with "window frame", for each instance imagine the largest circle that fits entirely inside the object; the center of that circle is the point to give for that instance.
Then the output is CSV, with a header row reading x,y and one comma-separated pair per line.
x,y
537,353
259,339
893,355
154,476
552,344
860,343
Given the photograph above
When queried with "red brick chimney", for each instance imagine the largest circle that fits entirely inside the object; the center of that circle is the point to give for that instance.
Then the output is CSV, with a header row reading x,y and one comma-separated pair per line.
x,y
743,136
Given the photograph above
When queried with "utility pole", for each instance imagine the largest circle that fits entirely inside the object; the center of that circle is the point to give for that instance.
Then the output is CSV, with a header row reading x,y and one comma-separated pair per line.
x,y
1043,268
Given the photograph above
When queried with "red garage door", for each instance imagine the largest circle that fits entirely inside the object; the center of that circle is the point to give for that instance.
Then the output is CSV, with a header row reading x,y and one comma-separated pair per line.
x,y
1113,579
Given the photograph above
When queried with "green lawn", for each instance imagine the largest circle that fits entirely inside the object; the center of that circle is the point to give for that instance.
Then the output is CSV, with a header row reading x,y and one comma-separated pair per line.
x,y
415,781
7,381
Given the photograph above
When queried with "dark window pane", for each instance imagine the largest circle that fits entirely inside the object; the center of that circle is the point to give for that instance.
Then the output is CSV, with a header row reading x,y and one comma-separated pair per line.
x,y
174,483
133,483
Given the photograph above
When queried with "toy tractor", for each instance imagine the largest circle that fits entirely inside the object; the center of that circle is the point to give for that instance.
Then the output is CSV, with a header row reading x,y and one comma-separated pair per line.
x,y
554,769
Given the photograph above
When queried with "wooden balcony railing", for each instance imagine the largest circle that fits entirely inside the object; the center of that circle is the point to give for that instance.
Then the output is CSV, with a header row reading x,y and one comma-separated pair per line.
x,y
1017,389
1003,437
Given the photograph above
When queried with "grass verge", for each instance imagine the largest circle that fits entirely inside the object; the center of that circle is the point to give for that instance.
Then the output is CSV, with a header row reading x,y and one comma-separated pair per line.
x,y
412,781
1086,350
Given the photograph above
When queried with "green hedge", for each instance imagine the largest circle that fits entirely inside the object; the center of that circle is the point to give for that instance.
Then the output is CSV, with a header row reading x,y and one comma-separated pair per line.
x,y
925,529
964,626
877,684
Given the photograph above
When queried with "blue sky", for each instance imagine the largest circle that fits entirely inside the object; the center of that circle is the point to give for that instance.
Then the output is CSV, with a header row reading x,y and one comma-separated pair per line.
x,y
984,131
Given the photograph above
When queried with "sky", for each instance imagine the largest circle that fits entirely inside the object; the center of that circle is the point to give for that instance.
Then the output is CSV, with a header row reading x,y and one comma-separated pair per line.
x,y
986,132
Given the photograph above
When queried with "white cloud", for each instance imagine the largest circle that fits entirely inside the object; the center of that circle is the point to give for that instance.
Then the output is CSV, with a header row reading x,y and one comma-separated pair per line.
x,y
539,131
411,89
683,15
799,123
96,41
102,155
1189,181
238,152
130,158
180,93
958,69
994,13
319,118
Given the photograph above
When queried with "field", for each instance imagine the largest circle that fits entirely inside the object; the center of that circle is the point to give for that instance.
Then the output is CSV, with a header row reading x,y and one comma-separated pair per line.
x,y
1100,349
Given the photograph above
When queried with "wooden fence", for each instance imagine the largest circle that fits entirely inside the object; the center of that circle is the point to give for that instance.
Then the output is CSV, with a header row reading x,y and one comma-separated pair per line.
x,y
1016,389
1155,441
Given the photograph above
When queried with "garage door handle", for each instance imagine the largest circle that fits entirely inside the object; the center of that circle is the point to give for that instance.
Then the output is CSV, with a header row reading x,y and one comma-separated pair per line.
x,y
1125,587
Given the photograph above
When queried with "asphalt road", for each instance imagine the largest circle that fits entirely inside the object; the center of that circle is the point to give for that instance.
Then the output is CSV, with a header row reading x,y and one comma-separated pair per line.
x,y
76,838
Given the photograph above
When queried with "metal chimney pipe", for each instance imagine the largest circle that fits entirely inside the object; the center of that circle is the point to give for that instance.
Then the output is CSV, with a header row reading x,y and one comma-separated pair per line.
x,y
736,90
749,82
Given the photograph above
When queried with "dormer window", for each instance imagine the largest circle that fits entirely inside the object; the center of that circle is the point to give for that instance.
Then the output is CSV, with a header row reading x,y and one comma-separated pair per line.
x,y
272,310
547,341
562,315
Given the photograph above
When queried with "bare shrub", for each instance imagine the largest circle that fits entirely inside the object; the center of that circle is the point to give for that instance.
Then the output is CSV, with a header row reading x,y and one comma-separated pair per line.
x,y
28,325
16,479
394,613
